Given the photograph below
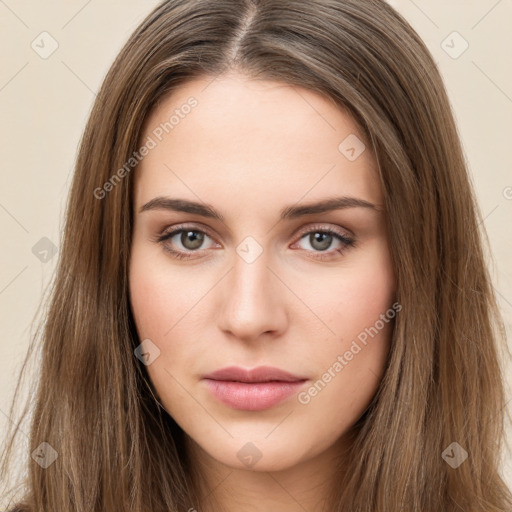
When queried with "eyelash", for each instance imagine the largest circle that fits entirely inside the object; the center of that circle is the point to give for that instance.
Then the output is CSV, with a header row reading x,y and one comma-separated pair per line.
x,y
321,255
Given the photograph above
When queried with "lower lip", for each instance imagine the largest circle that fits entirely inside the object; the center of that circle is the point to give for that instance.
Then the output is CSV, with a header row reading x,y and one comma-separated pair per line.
x,y
255,396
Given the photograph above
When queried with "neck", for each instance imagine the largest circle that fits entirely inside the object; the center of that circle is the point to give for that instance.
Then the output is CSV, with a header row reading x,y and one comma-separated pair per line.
x,y
307,485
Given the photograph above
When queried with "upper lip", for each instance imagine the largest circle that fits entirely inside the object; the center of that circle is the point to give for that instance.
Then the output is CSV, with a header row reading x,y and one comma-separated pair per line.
x,y
258,374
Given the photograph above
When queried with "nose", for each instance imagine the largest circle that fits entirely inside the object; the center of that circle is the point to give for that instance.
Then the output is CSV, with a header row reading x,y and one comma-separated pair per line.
x,y
254,301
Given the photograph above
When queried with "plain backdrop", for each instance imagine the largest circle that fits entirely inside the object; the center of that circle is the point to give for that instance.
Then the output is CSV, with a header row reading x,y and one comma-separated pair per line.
x,y
45,99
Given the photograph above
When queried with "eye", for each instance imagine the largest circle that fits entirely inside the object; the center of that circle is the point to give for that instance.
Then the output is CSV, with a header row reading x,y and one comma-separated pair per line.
x,y
182,242
321,239
187,239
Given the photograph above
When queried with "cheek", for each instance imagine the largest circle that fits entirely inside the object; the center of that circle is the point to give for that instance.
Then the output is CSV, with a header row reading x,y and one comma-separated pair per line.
x,y
159,295
162,302
360,312
168,306
365,291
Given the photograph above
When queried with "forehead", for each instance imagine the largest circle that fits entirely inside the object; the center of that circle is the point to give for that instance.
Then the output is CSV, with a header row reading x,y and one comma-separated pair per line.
x,y
258,138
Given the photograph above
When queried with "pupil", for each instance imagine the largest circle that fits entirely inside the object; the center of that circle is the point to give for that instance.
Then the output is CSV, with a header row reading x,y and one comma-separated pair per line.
x,y
191,239
321,241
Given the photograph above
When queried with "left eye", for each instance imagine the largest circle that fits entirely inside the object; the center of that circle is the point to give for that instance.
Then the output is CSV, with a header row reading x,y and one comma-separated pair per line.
x,y
321,240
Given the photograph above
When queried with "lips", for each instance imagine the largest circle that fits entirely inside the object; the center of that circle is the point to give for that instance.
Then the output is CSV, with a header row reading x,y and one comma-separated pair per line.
x,y
259,374
255,389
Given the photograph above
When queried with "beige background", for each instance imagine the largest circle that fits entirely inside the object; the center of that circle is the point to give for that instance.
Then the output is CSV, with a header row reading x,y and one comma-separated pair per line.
x,y
45,103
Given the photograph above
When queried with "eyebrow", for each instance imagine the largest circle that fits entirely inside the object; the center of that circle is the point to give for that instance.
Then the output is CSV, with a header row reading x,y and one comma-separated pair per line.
x,y
287,213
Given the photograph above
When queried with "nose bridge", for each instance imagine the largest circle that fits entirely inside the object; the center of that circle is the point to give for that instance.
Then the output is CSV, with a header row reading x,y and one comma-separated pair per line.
x,y
250,279
253,303
250,273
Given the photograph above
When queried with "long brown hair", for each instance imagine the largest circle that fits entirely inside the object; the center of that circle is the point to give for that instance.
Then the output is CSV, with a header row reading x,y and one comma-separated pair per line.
x,y
118,449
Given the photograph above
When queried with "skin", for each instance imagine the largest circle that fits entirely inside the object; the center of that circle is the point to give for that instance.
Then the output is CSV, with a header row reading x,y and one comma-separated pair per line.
x,y
250,148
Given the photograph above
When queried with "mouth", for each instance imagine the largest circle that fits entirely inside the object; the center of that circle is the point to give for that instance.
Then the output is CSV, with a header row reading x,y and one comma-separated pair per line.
x,y
254,389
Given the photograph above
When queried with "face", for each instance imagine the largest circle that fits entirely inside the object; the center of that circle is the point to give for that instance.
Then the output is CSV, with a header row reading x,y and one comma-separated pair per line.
x,y
239,261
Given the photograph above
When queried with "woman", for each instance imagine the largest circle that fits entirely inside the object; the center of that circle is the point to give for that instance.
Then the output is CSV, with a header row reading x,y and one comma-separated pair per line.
x,y
271,293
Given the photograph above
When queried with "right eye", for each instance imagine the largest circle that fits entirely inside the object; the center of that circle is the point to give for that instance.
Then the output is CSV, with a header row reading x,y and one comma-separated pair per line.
x,y
190,239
